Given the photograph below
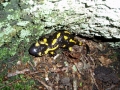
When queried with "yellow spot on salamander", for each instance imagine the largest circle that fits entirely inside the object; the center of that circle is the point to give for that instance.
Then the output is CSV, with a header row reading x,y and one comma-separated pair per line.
x,y
80,43
41,42
37,44
51,49
65,37
72,41
58,35
45,40
54,41
39,54
70,48
64,46
52,53
66,32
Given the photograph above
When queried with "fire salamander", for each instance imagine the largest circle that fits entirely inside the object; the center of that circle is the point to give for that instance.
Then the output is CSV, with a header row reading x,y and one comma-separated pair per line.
x,y
60,39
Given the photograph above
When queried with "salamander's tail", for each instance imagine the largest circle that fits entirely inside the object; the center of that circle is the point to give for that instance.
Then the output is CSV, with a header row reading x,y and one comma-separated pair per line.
x,y
80,43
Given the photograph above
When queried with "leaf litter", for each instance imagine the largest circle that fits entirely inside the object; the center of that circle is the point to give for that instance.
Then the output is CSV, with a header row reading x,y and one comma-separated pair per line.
x,y
93,66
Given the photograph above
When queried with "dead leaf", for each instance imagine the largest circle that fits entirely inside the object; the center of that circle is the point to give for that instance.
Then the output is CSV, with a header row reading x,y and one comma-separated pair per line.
x,y
105,61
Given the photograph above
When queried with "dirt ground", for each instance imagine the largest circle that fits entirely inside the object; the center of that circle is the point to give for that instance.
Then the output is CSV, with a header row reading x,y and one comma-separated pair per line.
x,y
92,66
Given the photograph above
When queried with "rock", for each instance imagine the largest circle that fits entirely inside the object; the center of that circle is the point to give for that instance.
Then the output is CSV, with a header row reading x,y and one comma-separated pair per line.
x,y
85,17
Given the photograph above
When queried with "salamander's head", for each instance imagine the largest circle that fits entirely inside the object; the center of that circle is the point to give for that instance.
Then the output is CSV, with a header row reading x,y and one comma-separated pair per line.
x,y
37,50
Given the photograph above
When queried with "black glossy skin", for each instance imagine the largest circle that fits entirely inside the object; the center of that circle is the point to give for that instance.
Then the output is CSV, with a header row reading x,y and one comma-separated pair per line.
x,y
35,50
43,49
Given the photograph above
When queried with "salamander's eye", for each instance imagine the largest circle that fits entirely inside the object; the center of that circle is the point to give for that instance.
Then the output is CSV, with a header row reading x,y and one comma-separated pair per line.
x,y
33,50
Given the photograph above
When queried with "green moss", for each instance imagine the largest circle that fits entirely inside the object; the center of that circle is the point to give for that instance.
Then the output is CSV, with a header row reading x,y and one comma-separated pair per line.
x,y
3,15
24,33
13,4
3,51
20,27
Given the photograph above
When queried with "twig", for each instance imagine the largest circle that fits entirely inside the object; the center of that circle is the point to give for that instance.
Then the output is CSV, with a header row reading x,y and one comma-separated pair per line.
x,y
43,83
17,72
94,79
31,65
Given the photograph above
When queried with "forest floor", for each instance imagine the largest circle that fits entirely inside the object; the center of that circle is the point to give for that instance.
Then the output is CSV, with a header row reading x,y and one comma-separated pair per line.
x,y
92,66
